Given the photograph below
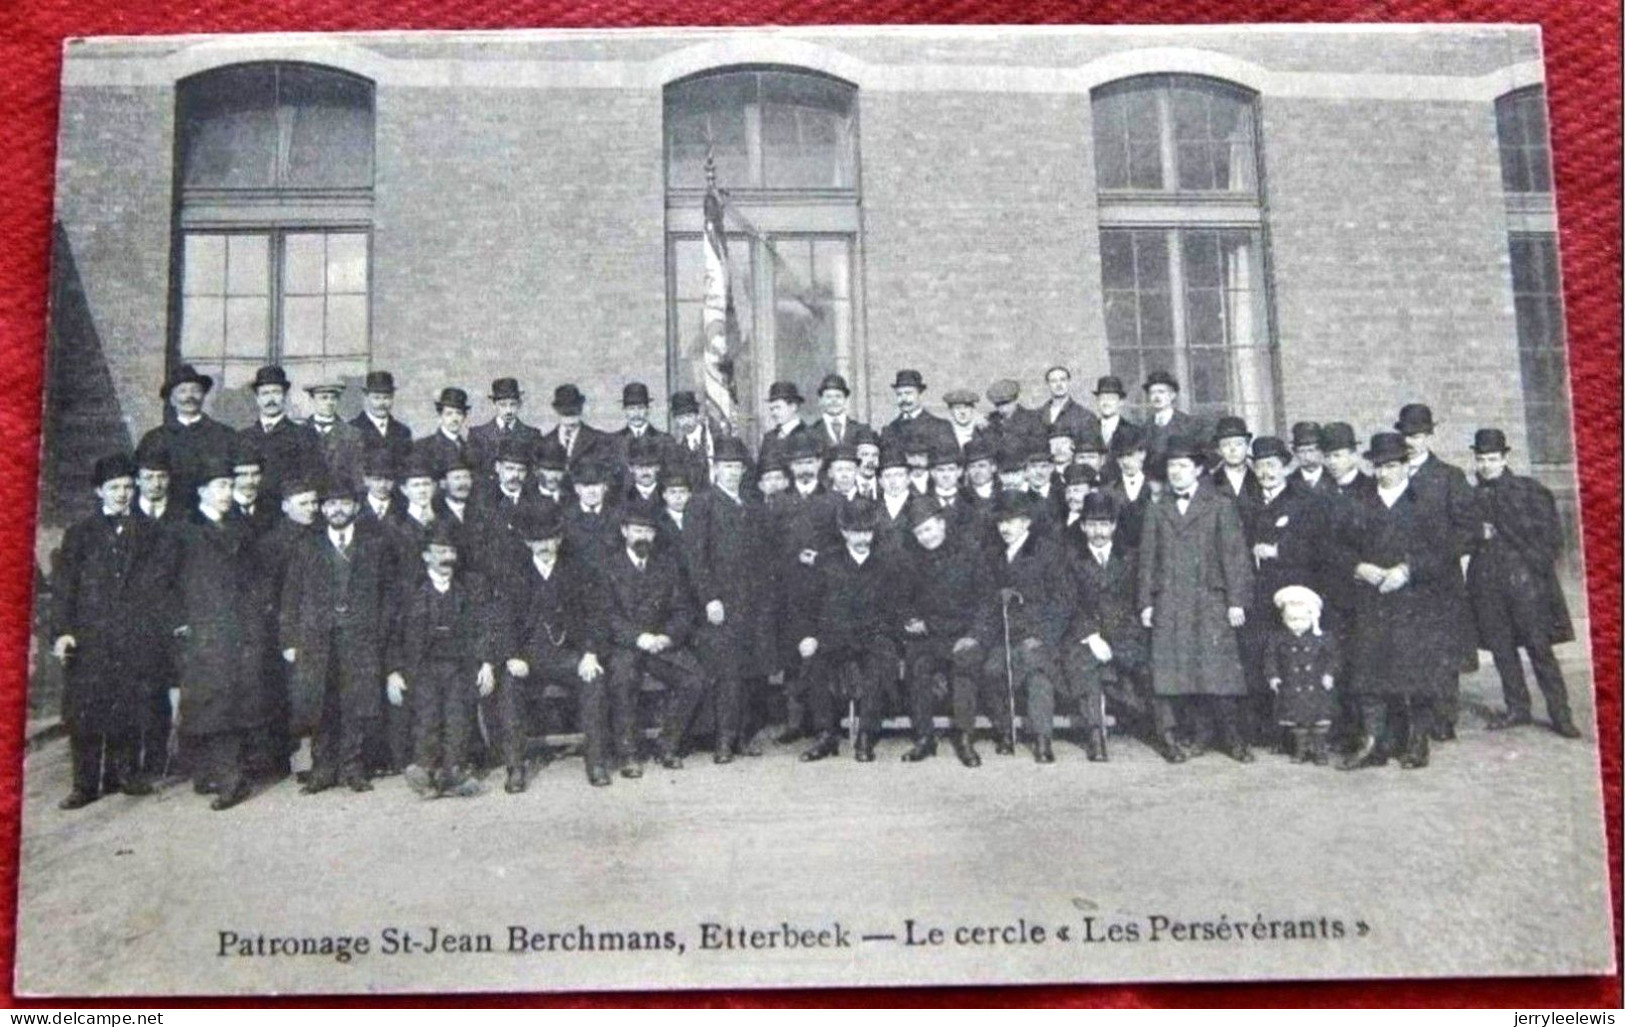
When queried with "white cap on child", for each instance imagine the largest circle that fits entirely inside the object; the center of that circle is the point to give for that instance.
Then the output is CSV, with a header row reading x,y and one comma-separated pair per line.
x,y
1301,595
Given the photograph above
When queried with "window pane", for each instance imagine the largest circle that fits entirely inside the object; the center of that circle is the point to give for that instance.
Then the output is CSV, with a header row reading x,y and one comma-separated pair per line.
x,y
346,325
708,115
804,317
1111,142
248,265
687,316
1117,260
203,270
248,327
806,122
1151,259
1207,128
203,322
328,119
229,128
304,264
302,326
1125,364
1122,319
1209,374
1526,160
347,262
1542,345
832,259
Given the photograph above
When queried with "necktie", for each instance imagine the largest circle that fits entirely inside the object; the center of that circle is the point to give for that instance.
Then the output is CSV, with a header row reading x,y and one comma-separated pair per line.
x,y
1100,557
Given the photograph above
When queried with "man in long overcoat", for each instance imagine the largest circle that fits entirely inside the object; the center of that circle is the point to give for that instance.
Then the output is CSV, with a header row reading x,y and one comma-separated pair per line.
x,y
732,556
1196,584
1512,581
221,632
109,596
1400,657
334,625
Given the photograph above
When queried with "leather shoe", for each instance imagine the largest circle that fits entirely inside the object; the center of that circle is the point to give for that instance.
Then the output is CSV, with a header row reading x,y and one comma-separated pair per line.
x,y
1501,721
1003,746
965,749
204,788
1094,746
632,771
924,748
598,777
1443,731
420,781
316,783
136,786
515,782
724,755
1172,751
1043,752
1240,753
1566,728
77,800
226,800
753,748
825,747
1364,755
671,761
864,750
358,783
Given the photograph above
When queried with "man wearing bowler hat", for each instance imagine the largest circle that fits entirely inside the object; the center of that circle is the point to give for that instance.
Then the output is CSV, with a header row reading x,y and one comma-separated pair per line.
x,y
1105,633
1196,585
784,417
338,443
835,424
1444,490
692,439
1341,452
1131,489
913,422
1165,420
190,437
635,408
590,530
447,442
579,440
1109,396
642,457
1061,409
1306,450
289,448
483,439
379,427
1231,476
1512,582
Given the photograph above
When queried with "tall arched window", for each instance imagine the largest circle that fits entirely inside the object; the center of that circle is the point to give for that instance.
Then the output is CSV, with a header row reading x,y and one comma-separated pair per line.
x,y
274,213
782,144
1183,266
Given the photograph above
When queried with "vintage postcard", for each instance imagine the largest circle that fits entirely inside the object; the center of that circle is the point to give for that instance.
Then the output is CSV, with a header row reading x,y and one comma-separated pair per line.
x,y
705,509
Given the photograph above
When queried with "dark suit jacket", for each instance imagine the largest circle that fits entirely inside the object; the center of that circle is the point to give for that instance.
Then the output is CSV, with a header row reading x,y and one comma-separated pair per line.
x,y
483,440
926,428
941,587
774,443
538,616
653,601
589,443
341,449
318,597
856,604
1073,417
1296,525
1220,482
475,628
190,449
1106,602
1157,435
826,438
289,449
396,441
442,450
1130,512
1039,573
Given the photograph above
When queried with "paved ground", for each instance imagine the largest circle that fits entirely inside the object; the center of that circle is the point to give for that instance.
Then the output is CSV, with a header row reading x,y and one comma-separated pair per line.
x,y
1490,861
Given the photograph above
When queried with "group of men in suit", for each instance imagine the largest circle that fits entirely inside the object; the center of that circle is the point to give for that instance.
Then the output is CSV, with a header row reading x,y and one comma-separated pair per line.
x,y
403,602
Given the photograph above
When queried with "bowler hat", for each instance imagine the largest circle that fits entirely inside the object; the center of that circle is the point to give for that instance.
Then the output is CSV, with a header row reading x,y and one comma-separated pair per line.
x,y
1099,506
834,381
1414,418
441,533
684,402
182,375
676,478
1013,503
1337,435
568,400
802,446
730,449
270,374
1011,461
1266,446
859,514
635,394
299,484
153,457
1110,383
914,444
506,388
379,381
1183,447
591,472
1306,433
419,465
909,378
978,448
1004,390
772,463
215,468
1231,427
550,455
114,465
787,391
452,397
1058,429
377,463
844,451
1490,440
513,451
960,398
639,512
862,435
246,454
1387,447
643,451
920,509
1039,456
1161,378
540,521
1128,438
334,486
893,456
1089,440
946,454
1079,474
457,461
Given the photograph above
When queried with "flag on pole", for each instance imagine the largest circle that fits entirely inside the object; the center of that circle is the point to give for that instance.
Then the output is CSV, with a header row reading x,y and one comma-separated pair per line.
x,y
721,325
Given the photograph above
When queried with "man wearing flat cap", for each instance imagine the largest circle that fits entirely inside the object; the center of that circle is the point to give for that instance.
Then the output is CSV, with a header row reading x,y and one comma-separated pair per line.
x,y
1010,423
835,425
380,429
1512,582
1443,488
1061,409
288,447
484,439
338,443
189,436
962,417
913,422
110,592
1165,420
784,421
1110,393
579,440
1196,585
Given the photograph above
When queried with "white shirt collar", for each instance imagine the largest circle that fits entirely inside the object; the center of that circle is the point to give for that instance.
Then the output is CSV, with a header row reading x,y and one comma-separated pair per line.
x,y
1100,552
1013,548
545,568
189,421
341,538
211,513
860,560
441,580
268,425
153,510
895,504
1391,496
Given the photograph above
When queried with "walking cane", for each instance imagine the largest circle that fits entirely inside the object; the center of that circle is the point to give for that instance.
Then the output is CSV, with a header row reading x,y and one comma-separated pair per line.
x,y
1005,595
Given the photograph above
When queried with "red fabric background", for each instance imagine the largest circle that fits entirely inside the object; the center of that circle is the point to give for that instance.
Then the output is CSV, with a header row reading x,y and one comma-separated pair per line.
x,y
1583,81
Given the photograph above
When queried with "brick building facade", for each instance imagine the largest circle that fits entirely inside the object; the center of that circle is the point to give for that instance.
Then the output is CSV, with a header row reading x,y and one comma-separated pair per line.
x,y
1332,224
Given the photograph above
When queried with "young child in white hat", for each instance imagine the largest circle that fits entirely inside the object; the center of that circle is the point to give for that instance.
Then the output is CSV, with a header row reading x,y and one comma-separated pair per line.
x,y
1302,665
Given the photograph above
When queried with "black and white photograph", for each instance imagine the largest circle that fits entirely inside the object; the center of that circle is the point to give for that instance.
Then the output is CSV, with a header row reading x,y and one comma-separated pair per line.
x,y
566,510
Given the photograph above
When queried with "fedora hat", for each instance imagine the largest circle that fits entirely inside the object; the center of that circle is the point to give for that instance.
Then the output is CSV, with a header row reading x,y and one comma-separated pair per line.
x,y
1231,428
684,402
1110,383
1306,433
730,449
858,515
920,509
1183,447
550,455
181,376
113,465
541,521
1266,446
1099,506
1335,435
